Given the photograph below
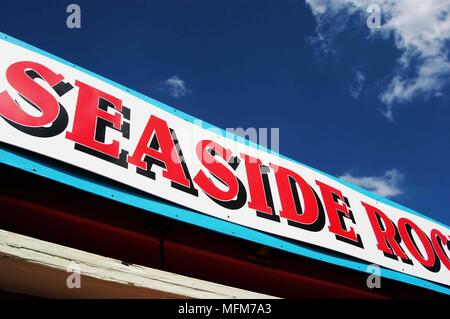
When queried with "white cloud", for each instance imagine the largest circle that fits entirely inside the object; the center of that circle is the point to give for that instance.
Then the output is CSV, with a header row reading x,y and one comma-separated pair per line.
x,y
357,84
175,86
421,31
386,185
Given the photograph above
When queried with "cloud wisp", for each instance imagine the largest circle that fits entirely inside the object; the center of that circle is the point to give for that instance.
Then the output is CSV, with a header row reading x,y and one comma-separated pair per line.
x,y
356,87
420,30
175,86
387,185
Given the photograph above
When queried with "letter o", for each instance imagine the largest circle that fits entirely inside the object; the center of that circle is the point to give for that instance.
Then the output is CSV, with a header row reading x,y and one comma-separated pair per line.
x,y
405,226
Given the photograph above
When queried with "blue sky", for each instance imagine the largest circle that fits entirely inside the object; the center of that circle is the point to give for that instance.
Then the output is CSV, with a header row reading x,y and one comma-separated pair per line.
x,y
370,105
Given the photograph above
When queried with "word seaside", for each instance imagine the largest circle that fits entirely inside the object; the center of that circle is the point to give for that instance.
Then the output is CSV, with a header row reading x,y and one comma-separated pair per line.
x,y
52,108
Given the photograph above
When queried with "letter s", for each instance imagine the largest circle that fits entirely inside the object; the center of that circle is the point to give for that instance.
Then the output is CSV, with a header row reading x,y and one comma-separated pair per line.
x,y
21,76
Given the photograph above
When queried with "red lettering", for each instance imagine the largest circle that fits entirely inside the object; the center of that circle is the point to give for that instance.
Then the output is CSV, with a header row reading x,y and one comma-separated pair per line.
x,y
439,240
219,170
405,226
33,92
385,232
336,211
287,182
167,153
258,199
86,115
